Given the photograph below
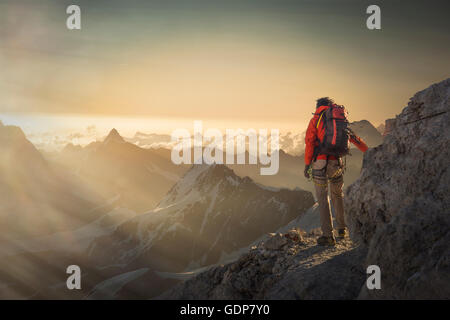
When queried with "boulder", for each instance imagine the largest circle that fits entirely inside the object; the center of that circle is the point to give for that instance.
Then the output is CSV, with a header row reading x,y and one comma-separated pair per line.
x,y
275,242
295,235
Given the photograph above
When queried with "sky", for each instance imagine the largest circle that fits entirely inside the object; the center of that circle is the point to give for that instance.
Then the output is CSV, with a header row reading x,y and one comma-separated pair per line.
x,y
220,61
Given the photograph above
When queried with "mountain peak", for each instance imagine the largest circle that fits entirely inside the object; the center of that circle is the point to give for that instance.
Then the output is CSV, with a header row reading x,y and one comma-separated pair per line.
x,y
367,132
114,136
199,178
13,133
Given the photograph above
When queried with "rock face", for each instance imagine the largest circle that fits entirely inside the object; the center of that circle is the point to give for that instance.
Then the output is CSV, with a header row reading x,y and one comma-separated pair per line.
x,y
413,254
399,207
286,266
388,126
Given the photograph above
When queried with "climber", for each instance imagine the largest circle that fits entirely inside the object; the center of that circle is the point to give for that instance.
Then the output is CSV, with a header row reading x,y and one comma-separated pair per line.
x,y
326,142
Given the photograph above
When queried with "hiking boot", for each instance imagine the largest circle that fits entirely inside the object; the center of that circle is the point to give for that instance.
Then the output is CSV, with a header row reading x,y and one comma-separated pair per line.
x,y
342,233
326,241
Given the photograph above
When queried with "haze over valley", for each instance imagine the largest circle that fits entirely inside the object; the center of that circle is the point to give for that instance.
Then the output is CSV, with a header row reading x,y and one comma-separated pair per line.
x,y
117,205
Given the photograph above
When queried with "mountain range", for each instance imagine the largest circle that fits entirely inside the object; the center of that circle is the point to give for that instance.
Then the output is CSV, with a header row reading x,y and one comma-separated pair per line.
x,y
290,174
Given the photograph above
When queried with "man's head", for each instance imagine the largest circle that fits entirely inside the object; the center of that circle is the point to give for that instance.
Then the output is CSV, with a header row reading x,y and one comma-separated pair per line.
x,y
325,101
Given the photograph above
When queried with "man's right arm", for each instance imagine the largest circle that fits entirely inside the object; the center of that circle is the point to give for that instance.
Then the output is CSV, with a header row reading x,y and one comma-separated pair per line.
x,y
310,141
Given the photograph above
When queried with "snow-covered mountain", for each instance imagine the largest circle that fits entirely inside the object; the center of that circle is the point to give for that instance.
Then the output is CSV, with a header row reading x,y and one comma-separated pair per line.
x,y
208,213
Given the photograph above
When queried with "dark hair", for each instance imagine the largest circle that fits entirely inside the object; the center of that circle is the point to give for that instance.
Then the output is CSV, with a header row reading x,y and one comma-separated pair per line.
x,y
325,101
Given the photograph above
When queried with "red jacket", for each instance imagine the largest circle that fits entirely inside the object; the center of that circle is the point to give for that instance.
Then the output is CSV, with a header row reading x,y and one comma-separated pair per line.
x,y
313,132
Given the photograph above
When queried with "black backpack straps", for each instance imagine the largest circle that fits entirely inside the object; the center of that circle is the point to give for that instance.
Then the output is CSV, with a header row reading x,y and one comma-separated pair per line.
x,y
316,151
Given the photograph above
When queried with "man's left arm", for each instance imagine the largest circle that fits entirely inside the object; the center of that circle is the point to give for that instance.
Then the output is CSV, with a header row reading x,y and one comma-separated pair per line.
x,y
358,142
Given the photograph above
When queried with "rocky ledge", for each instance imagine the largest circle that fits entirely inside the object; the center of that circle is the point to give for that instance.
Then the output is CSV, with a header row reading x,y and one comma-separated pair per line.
x,y
286,266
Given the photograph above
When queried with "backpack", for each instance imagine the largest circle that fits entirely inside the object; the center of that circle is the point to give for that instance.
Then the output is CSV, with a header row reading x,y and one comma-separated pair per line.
x,y
336,138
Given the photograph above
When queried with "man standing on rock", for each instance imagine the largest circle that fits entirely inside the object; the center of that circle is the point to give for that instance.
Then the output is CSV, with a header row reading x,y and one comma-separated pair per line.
x,y
327,140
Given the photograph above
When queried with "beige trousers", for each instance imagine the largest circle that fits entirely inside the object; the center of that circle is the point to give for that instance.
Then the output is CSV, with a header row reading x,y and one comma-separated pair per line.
x,y
333,174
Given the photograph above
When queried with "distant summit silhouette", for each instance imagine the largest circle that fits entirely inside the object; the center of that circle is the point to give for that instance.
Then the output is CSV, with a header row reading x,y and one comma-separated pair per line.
x,y
367,132
114,136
